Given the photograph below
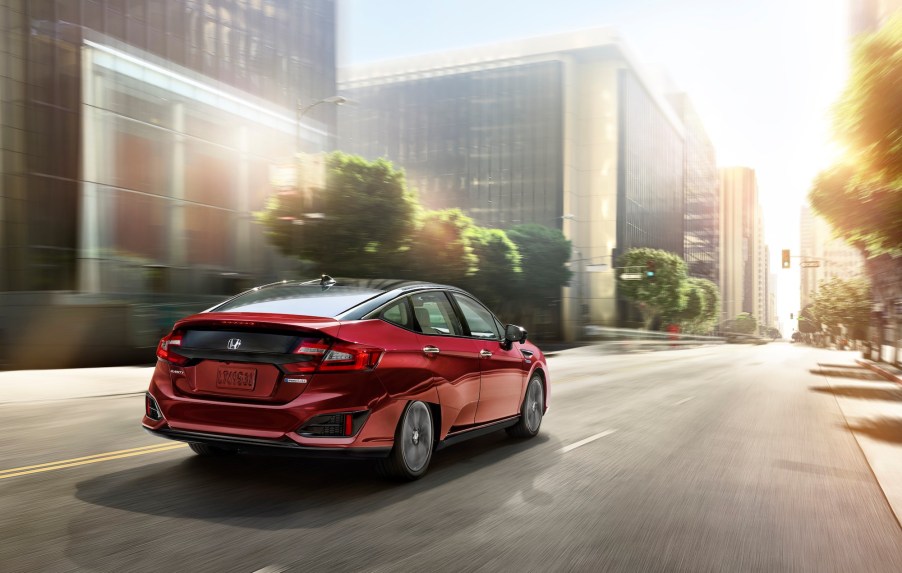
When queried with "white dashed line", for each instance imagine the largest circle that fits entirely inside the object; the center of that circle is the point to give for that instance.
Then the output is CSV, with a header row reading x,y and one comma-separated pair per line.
x,y
597,436
684,400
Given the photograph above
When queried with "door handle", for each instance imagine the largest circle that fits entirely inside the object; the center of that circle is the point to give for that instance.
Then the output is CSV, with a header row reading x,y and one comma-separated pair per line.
x,y
430,349
485,354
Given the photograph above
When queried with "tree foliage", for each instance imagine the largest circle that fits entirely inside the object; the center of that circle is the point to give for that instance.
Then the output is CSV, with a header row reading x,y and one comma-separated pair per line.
x,y
544,254
862,195
744,323
808,324
844,302
702,308
441,250
353,227
665,294
498,268
366,223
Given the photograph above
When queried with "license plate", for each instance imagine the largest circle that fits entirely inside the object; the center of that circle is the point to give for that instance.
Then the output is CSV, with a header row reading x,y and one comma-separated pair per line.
x,y
236,378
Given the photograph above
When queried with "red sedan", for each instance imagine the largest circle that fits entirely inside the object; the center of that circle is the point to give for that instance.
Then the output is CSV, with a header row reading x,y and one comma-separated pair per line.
x,y
378,369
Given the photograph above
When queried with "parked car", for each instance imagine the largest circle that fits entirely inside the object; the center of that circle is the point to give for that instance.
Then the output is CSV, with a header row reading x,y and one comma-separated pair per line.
x,y
375,369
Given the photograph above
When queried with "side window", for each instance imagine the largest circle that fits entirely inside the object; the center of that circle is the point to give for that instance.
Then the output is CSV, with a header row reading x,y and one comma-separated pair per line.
x,y
434,314
481,322
398,313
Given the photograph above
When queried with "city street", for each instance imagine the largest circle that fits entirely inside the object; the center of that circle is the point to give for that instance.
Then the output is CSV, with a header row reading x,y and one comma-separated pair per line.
x,y
720,458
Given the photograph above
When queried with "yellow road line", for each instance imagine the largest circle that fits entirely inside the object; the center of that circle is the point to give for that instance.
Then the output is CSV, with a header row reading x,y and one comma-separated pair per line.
x,y
88,460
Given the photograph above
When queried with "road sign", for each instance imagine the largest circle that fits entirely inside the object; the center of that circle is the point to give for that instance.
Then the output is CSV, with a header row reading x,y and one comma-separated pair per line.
x,y
810,264
631,276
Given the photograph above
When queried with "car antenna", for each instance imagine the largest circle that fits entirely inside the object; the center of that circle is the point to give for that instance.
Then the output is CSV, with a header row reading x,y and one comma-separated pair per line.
x,y
326,281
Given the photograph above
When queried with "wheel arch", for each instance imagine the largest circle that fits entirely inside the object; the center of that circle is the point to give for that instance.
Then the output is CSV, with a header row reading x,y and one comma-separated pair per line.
x,y
540,372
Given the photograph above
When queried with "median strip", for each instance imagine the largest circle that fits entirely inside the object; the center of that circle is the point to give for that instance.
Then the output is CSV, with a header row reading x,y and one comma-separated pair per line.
x,y
597,436
46,467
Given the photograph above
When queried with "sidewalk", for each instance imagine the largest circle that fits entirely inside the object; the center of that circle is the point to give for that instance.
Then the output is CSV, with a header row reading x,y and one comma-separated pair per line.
x,y
18,386
870,398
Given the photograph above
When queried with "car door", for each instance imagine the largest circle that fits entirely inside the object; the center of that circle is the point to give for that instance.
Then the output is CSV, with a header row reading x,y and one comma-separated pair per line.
x,y
503,371
453,358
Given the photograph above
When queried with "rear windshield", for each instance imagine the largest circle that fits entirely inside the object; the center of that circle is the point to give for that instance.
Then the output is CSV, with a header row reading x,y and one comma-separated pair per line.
x,y
307,300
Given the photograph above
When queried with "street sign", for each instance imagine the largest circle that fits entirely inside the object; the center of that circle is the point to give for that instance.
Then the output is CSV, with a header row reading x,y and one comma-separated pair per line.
x,y
810,264
631,276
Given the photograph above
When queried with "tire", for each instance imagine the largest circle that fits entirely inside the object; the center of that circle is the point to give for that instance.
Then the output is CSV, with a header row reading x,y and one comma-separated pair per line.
x,y
414,440
531,410
208,450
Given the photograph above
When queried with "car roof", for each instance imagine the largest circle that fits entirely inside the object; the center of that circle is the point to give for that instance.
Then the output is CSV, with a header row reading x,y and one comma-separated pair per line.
x,y
382,291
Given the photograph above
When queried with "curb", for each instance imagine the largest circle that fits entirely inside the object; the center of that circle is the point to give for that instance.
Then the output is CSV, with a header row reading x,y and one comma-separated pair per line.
x,y
880,370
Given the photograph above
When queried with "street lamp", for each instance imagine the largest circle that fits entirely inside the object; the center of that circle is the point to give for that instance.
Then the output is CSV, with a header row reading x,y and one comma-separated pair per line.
x,y
302,110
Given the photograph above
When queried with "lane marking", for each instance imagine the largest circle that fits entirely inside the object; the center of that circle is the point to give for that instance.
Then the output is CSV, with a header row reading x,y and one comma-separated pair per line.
x,y
62,464
153,447
684,400
597,436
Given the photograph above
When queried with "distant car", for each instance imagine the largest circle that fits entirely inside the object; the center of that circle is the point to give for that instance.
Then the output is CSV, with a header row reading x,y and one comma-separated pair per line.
x,y
376,369
796,336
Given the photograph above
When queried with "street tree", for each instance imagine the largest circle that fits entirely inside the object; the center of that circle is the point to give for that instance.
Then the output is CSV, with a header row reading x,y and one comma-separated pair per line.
x,y
498,267
660,295
808,323
744,323
544,256
702,306
441,249
355,226
845,303
861,196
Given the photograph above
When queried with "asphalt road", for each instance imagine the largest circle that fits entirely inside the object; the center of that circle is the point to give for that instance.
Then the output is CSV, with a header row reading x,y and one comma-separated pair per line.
x,y
712,459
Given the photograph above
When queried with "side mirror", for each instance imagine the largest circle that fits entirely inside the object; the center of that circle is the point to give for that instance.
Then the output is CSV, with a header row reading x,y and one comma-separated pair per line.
x,y
514,333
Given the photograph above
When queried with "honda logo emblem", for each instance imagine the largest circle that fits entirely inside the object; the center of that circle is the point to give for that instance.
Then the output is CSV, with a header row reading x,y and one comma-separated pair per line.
x,y
234,343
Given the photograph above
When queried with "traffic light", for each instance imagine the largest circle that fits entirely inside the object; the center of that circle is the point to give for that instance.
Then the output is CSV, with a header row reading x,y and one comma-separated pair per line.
x,y
791,316
650,270
785,258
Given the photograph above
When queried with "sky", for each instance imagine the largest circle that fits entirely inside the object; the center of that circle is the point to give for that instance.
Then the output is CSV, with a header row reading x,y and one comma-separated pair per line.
x,y
764,75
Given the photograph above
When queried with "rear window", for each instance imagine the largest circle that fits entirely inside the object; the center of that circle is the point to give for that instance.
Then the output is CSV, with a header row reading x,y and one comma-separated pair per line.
x,y
307,300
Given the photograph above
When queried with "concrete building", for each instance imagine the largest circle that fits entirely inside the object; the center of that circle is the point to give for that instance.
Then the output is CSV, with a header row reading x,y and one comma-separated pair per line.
x,y
563,131
136,140
743,259
835,257
138,136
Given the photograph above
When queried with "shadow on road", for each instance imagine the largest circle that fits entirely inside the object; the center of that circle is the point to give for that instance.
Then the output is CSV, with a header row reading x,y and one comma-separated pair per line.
x,y
234,504
856,373
283,492
884,429
862,392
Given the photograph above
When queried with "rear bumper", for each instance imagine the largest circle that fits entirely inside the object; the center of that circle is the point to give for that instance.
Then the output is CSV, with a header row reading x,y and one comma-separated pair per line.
x,y
269,447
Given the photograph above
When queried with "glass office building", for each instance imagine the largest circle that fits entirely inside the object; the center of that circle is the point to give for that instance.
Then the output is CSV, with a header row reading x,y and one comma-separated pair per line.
x,y
138,136
562,131
701,233
486,141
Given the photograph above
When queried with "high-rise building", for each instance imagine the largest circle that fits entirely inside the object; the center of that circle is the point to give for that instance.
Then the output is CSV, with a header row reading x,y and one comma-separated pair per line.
x,y
835,257
743,259
137,137
702,195
564,131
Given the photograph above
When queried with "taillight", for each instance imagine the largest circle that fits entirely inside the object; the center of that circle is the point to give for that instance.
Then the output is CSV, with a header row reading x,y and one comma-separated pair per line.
x,y
350,357
319,356
167,349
